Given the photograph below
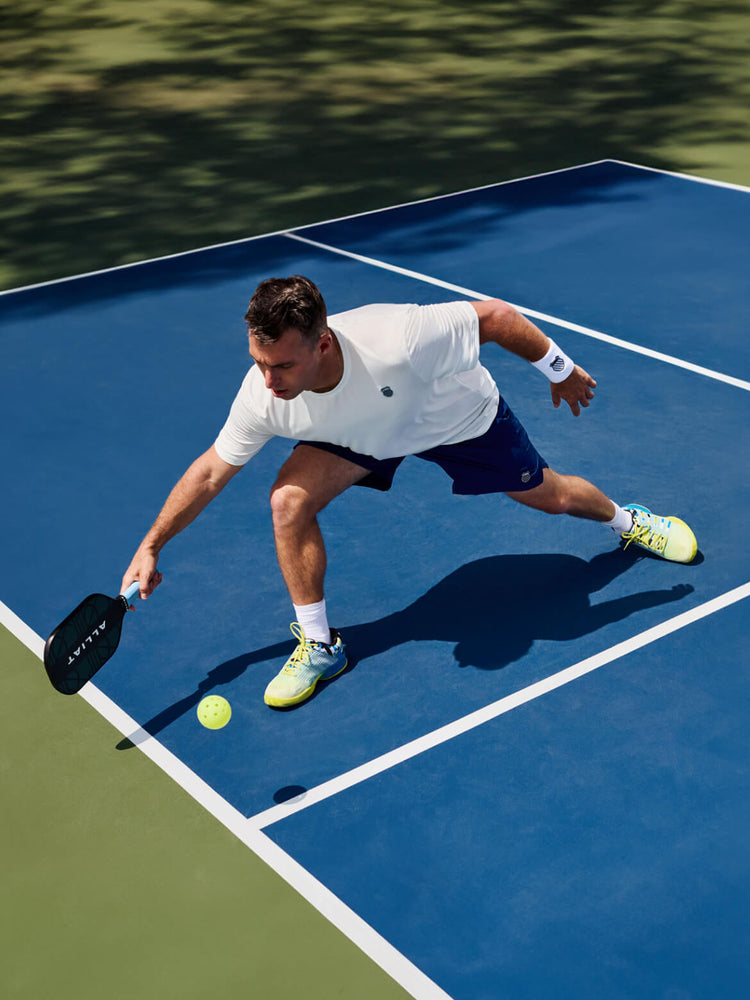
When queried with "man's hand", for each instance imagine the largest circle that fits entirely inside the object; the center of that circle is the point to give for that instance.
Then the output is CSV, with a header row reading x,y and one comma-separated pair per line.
x,y
577,390
143,569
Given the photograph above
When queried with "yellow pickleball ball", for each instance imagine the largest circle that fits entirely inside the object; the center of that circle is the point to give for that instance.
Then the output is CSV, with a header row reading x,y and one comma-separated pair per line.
x,y
214,712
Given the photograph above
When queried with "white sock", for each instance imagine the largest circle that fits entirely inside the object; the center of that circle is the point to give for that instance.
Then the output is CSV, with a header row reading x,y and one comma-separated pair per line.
x,y
622,521
314,621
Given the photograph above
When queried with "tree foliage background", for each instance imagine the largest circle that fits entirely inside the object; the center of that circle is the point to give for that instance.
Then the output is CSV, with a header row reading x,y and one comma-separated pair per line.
x,y
132,129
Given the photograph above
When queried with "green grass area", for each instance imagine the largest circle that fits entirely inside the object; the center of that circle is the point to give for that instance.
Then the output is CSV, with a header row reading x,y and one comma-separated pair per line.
x,y
133,130
117,884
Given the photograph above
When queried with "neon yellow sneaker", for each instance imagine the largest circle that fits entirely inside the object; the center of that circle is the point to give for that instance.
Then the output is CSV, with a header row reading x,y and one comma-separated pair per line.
x,y
668,537
309,663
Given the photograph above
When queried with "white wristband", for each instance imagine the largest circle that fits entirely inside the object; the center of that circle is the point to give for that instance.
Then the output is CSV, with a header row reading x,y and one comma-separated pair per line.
x,y
555,364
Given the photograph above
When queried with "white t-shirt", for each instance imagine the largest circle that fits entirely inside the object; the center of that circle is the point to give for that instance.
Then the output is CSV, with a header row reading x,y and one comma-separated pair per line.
x,y
412,381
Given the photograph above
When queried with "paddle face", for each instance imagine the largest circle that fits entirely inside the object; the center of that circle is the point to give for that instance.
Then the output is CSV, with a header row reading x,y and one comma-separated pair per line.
x,y
84,641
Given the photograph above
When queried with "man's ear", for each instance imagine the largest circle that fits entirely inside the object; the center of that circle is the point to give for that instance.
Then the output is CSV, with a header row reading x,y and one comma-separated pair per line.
x,y
325,342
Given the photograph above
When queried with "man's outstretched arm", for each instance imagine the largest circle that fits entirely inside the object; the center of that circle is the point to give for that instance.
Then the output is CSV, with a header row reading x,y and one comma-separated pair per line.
x,y
500,323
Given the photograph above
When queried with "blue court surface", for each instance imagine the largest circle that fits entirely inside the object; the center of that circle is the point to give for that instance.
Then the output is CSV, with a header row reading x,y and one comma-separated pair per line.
x,y
532,781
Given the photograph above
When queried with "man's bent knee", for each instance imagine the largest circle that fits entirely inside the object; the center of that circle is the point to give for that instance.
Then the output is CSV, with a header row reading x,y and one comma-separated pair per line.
x,y
291,504
312,476
552,496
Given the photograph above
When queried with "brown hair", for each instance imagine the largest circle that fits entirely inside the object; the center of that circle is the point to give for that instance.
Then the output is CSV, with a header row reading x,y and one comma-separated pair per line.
x,y
279,304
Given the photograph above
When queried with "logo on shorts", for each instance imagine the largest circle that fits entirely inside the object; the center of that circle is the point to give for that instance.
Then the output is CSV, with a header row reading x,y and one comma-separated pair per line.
x,y
386,390
525,476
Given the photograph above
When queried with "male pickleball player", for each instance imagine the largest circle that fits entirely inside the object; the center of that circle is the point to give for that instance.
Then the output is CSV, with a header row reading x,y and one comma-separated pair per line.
x,y
359,391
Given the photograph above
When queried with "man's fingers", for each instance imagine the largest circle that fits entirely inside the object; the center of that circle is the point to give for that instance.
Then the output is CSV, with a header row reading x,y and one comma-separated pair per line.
x,y
147,577
150,585
575,396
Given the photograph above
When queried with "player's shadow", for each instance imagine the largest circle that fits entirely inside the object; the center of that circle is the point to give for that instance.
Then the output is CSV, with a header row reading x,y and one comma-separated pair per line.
x,y
492,609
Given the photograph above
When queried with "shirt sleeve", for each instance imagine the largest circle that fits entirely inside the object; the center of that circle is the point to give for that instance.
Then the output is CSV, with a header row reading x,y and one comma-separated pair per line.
x,y
242,436
443,339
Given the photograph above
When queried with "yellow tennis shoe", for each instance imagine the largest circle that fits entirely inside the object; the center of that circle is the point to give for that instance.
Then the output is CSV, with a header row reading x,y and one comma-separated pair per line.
x,y
668,537
309,663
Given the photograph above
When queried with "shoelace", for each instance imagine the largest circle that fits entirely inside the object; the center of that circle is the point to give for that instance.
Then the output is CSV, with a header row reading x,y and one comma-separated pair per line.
x,y
646,533
301,655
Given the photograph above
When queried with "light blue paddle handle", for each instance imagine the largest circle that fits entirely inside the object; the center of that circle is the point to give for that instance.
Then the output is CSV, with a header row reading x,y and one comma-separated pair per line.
x,y
133,590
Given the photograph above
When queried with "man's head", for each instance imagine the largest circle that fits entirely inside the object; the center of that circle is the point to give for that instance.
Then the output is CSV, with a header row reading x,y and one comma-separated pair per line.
x,y
289,338
281,304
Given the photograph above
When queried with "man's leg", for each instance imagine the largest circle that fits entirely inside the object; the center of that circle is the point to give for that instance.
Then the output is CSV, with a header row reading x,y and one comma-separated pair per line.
x,y
572,495
307,482
668,537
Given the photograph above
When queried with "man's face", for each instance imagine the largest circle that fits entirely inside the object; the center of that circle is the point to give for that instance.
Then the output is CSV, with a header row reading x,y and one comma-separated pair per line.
x,y
292,365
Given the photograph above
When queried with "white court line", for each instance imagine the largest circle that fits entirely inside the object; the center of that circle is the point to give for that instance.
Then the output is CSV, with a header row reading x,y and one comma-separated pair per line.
x,y
360,215
543,317
684,177
312,225
18,627
372,944
489,712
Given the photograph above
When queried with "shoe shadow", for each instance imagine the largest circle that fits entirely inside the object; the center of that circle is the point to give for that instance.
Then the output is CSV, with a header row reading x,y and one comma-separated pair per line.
x,y
493,609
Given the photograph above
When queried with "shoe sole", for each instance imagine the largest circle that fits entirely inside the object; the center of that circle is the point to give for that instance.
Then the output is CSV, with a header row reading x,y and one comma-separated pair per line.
x,y
273,702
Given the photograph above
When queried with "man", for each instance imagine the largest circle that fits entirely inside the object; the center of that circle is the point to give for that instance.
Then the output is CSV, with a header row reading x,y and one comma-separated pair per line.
x,y
359,392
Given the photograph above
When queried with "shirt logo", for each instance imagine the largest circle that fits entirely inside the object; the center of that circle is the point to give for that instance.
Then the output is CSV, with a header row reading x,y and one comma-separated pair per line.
x,y
387,391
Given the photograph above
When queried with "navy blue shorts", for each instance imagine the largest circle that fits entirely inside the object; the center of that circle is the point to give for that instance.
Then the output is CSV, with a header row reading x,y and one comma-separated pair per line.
x,y
502,460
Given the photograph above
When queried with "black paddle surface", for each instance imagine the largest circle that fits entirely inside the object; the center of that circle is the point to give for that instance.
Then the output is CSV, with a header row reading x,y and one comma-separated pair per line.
x,y
84,641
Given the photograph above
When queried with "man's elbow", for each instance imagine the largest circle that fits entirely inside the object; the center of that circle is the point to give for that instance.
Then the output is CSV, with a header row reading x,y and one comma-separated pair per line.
x,y
495,318
211,472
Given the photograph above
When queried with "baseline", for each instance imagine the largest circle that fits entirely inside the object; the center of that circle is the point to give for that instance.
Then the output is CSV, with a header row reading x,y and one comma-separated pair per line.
x,y
681,176
388,208
324,222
